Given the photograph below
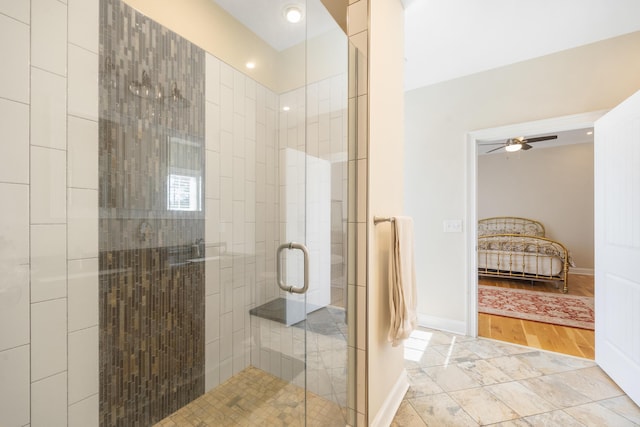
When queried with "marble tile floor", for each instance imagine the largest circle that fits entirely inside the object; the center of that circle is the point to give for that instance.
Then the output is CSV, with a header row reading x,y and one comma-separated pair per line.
x,y
327,353
325,332
462,381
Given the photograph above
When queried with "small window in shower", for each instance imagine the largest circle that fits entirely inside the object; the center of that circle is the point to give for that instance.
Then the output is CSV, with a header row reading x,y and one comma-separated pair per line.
x,y
184,193
184,175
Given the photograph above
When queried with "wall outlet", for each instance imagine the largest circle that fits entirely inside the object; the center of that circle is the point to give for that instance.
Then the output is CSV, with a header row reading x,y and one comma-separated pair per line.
x,y
452,226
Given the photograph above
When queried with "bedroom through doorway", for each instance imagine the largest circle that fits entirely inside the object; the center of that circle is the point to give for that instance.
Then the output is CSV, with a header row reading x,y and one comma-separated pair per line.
x,y
550,181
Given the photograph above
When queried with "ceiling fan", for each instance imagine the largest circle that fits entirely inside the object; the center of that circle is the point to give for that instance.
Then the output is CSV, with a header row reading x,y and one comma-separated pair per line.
x,y
519,143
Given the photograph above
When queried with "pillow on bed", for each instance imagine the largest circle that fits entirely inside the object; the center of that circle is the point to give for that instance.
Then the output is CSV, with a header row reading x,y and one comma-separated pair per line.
x,y
532,230
526,229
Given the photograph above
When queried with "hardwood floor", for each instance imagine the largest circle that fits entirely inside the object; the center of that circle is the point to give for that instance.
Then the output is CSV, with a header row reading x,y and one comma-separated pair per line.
x,y
561,339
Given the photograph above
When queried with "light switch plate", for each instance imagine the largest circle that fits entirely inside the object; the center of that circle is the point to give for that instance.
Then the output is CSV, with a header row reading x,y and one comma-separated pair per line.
x,y
452,226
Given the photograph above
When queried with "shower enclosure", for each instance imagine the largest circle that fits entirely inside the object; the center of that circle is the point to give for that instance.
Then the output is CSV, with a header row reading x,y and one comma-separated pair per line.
x,y
223,203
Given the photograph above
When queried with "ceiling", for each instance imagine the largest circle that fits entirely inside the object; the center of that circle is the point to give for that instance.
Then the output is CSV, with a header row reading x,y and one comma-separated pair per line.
x,y
447,39
266,19
578,136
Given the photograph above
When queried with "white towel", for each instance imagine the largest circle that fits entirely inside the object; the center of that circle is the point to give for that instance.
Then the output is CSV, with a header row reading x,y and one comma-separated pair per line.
x,y
402,281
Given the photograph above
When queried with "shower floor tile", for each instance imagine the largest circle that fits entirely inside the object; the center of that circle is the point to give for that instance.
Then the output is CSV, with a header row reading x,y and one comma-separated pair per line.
x,y
256,398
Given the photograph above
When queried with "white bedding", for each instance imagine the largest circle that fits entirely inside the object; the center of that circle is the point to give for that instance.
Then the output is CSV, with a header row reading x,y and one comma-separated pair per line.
x,y
519,262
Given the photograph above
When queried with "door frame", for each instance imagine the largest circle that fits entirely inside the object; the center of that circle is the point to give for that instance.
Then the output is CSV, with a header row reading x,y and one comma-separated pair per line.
x,y
556,124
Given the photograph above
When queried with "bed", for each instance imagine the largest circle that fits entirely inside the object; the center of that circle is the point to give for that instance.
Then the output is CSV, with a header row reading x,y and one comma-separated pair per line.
x,y
517,248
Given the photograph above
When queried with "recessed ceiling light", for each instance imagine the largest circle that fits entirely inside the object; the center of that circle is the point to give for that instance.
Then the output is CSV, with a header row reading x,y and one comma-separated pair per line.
x,y
293,14
590,132
250,65
286,108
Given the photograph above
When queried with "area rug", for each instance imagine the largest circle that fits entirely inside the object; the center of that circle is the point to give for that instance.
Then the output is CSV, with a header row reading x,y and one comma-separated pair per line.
x,y
558,309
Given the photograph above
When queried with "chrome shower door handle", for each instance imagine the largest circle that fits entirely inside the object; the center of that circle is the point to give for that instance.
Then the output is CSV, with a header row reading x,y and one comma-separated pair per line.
x,y
305,252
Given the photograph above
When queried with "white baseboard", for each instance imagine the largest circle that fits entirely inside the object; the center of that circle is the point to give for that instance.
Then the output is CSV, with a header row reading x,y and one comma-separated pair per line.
x,y
390,406
442,324
578,270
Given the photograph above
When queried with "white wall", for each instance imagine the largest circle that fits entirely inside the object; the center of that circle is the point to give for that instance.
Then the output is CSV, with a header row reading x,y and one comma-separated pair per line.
x,y
551,185
49,220
385,195
438,117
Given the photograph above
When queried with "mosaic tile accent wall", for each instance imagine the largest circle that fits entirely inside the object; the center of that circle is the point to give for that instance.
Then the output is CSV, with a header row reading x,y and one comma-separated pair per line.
x,y
151,186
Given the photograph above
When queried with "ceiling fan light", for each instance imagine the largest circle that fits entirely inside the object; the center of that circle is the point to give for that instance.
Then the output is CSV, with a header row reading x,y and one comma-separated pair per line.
x,y
513,147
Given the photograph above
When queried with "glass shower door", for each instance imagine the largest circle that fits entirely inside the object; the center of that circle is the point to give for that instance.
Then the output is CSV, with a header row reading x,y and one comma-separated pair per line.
x,y
223,212
299,331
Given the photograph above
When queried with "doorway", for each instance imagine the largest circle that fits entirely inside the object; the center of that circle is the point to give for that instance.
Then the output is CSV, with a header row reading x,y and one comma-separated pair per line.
x,y
550,126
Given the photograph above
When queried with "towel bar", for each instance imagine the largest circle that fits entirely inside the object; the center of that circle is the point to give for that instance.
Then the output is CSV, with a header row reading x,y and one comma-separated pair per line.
x,y
379,219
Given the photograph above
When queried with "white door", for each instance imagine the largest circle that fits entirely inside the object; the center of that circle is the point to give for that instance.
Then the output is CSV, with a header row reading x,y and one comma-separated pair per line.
x,y
617,244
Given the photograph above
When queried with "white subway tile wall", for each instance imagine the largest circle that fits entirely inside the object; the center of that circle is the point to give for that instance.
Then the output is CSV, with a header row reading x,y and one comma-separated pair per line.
x,y
22,324
84,413
19,10
14,122
15,404
48,109
49,35
82,226
14,227
83,364
236,165
14,51
82,146
14,315
212,318
48,262
49,401
48,186
48,338
84,24
212,362
82,293
82,85
82,212
35,174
